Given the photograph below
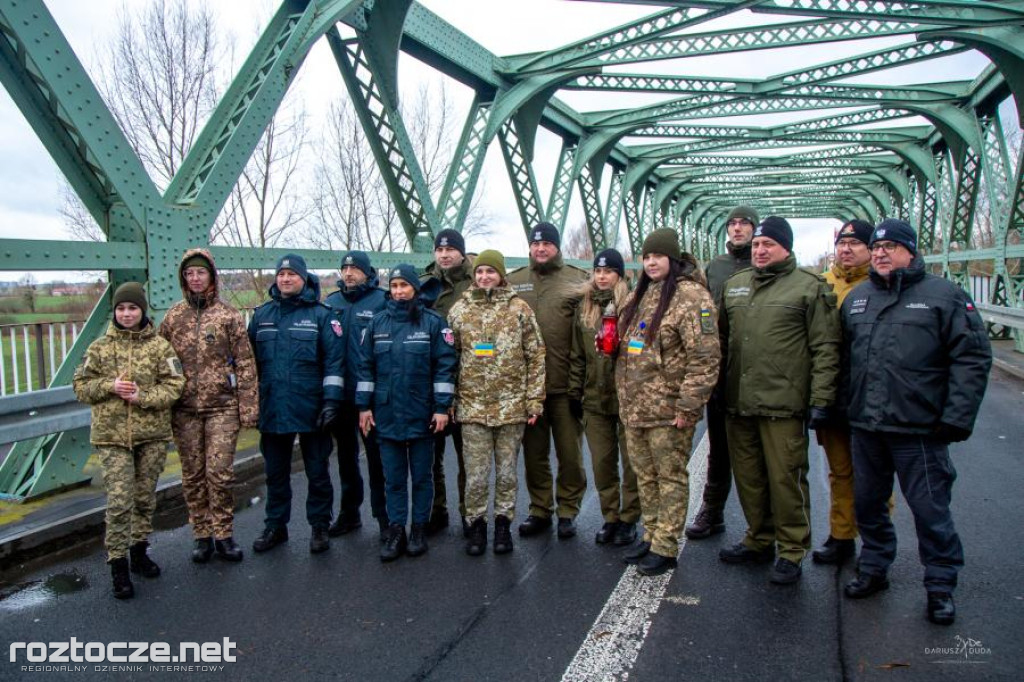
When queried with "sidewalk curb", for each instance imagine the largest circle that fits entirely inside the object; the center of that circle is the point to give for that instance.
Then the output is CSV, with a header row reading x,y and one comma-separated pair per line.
x,y
32,543
1008,368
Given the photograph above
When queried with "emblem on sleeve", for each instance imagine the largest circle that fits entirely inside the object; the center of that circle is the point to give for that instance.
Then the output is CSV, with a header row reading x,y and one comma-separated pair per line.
x,y
336,327
448,335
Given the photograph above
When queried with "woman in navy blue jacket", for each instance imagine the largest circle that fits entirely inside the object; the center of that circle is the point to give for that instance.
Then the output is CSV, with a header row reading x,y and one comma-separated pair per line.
x,y
406,387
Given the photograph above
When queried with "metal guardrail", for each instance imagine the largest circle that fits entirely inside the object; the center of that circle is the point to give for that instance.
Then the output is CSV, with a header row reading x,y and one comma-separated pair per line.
x,y
1012,318
40,413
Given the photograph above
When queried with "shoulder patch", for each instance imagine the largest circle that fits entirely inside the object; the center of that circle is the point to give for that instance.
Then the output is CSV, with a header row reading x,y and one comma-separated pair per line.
x,y
448,335
336,327
175,365
707,321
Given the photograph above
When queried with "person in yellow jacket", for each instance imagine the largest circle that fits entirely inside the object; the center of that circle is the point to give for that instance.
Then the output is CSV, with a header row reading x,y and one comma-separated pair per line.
x,y
131,377
853,260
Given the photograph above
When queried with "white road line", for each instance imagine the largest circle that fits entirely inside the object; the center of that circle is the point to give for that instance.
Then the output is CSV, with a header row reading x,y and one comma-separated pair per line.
x,y
611,647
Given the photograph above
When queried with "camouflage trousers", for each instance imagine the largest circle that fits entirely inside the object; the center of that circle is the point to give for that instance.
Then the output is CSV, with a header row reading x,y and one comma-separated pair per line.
x,y
206,444
659,457
130,476
480,445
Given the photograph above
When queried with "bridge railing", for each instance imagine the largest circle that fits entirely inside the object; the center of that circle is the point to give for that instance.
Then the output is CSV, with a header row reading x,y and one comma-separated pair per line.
x,y
31,353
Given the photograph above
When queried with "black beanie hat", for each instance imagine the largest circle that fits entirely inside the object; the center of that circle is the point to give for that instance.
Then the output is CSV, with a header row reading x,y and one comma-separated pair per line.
x,y
546,232
295,263
893,230
131,292
406,272
743,213
856,229
360,260
777,229
450,238
664,241
610,258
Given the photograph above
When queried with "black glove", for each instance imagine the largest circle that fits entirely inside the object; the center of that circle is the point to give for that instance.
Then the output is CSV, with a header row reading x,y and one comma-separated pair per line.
x,y
328,416
819,417
576,408
948,433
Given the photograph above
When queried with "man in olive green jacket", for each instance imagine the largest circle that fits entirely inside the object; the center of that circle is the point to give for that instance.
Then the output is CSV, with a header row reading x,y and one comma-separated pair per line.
x,y
781,338
551,289
454,272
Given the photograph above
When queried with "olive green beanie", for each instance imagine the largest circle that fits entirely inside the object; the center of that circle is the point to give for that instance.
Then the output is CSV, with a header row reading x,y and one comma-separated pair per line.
x,y
744,213
491,258
131,292
664,241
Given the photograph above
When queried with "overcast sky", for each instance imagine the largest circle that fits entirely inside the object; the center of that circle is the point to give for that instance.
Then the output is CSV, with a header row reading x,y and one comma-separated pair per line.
x,y
31,197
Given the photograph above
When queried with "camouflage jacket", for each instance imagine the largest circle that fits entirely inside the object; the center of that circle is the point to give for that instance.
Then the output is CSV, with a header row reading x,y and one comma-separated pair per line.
x,y
210,338
142,357
501,354
553,292
671,375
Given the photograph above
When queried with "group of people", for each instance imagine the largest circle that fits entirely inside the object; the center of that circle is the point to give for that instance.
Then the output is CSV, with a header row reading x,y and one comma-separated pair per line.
x,y
501,361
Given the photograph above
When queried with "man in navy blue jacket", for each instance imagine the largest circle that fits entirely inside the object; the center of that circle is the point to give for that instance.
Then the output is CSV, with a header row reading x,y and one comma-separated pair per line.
x,y
406,388
356,301
918,358
300,362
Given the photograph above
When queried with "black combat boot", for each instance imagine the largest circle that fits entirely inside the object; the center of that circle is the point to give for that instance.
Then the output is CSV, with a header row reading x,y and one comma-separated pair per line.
x,y
834,551
345,524
383,524
228,549
269,539
476,543
438,522
417,540
202,550
319,541
607,532
707,523
123,588
502,534
394,543
140,561
941,609
635,555
626,534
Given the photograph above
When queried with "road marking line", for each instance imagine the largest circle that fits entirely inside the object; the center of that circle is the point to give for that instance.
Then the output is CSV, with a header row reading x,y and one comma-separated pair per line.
x,y
611,647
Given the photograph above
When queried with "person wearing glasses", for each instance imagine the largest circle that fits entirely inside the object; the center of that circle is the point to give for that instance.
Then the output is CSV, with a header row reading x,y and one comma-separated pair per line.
x,y
917,363
853,258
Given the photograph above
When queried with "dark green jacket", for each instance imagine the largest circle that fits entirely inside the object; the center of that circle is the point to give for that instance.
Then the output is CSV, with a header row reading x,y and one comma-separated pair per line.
x,y
592,374
781,340
552,291
725,266
454,282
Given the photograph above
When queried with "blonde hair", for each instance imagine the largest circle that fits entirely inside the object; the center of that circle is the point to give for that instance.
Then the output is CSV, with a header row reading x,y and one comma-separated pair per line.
x,y
590,312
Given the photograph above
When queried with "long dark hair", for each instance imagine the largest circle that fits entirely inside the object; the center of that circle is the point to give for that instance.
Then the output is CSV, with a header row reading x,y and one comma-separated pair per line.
x,y
686,268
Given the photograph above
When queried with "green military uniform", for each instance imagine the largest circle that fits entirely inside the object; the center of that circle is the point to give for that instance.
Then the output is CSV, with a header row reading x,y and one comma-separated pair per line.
x,y
592,380
781,333
552,291
454,283
501,384
659,380
130,438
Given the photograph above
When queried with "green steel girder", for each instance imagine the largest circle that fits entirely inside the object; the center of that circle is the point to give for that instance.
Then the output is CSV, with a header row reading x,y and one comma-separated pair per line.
x,y
561,188
520,172
464,173
613,207
592,210
389,141
1003,45
874,136
631,213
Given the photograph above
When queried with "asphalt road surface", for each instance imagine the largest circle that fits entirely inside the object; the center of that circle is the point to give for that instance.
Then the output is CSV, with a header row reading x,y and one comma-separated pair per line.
x,y
553,610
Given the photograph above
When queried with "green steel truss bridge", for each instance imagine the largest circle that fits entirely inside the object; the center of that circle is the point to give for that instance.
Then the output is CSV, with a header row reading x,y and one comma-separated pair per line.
x,y
935,154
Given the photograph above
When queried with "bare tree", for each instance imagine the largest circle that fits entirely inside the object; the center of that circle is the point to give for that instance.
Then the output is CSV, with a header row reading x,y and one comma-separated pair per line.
x,y
576,243
351,206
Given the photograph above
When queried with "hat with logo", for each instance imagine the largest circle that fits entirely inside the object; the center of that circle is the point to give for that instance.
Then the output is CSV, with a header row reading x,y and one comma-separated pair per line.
x,y
777,229
856,229
546,232
450,238
893,230
491,258
358,259
610,258
295,263
406,272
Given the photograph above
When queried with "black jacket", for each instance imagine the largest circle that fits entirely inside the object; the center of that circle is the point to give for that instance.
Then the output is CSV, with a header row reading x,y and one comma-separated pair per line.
x,y
916,353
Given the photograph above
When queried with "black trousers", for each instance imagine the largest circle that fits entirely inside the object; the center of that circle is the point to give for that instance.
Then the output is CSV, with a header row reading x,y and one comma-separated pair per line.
x,y
926,477
346,435
277,463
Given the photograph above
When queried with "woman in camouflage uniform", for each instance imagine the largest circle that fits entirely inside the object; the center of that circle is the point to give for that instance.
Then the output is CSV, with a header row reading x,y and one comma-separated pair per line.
x,y
221,396
666,369
131,377
500,390
592,382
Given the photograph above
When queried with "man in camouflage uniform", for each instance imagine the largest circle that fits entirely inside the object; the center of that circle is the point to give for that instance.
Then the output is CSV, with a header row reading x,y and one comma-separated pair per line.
x,y
500,389
453,271
551,289
220,397
131,377
780,329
